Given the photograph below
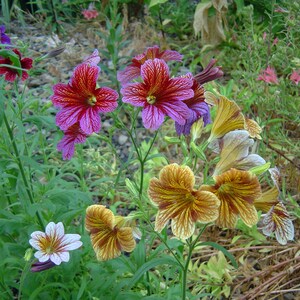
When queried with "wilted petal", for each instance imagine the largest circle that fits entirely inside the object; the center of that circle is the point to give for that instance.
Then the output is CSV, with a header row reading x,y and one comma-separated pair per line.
x,y
237,191
278,220
276,177
228,118
253,128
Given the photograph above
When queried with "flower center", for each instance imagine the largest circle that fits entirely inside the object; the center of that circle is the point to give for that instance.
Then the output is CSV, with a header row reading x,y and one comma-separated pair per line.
x,y
91,100
151,99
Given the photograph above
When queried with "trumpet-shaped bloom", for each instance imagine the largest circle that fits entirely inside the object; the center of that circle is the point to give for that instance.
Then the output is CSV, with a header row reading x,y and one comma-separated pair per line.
x,y
209,73
159,95
4,39
10,73
81,101
236,191
228,118
73,135
278,221
268,75
134,69
234,152
53,244
198,108
109,234
176,199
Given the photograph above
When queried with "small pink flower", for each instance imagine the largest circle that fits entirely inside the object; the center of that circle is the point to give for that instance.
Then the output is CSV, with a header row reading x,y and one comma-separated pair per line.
x,y
93,59
81,101
264,36
268,75
90,14
295,76
275,42
73,135
134,69
159,95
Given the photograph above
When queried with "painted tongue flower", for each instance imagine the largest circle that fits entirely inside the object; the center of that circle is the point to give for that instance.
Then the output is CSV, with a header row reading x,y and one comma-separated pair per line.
x,y
174,195
73,135
4,38
109,234
268,75
159,95
10,73
198,108
53,245
134,69
81,101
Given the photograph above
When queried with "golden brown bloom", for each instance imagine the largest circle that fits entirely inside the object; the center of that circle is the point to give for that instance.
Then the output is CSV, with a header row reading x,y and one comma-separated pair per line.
x,y
176,199
108,233
253,128
228,118
237,191
267,200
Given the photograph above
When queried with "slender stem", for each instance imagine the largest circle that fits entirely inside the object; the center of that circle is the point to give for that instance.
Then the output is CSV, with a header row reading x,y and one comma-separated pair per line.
x,y
192,245
20,165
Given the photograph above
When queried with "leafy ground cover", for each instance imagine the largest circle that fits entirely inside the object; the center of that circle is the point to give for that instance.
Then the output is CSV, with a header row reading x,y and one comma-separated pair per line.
x,y
116,167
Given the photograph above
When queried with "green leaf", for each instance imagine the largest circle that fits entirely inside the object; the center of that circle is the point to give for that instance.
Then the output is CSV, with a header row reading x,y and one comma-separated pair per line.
x,y
14,58
156,2
223,250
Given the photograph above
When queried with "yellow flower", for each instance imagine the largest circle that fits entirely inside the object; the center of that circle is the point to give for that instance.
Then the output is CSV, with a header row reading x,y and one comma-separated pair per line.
x,y
237,191
228,118
176,199
108,233
253,128
267,200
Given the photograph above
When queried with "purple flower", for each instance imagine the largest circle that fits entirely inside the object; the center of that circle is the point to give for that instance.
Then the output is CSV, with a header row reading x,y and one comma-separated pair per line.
x,y
209,73
4,38
159,95
198,108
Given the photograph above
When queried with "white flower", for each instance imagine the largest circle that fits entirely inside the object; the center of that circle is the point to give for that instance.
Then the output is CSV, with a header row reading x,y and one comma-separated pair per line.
x,y
54,244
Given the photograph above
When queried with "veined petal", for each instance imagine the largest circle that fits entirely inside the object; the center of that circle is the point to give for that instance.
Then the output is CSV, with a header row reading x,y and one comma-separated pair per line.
x,y
278,220
251,161
65,95
177,110
55,258
135,94
64,256
98,217
228,118
129,73
106,99
237,191
178,88
152,117
68,116
171,55
253,128
71,242
41,256
84,79
267,200
126,240
90,121
93,59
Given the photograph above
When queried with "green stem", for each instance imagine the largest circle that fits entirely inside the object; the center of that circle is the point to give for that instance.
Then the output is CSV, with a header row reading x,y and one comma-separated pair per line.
x,y
192,245
20,165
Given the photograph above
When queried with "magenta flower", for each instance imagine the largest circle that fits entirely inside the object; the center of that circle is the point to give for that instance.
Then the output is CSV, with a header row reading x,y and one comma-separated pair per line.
x,y
93,59
81,101
90,14
209,73
11,74
134,69
4,39
295,76
73,135
159,95
268,75
198,108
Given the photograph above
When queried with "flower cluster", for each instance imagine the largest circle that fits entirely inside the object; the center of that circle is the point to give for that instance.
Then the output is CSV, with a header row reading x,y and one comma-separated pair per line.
x,y
159,94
